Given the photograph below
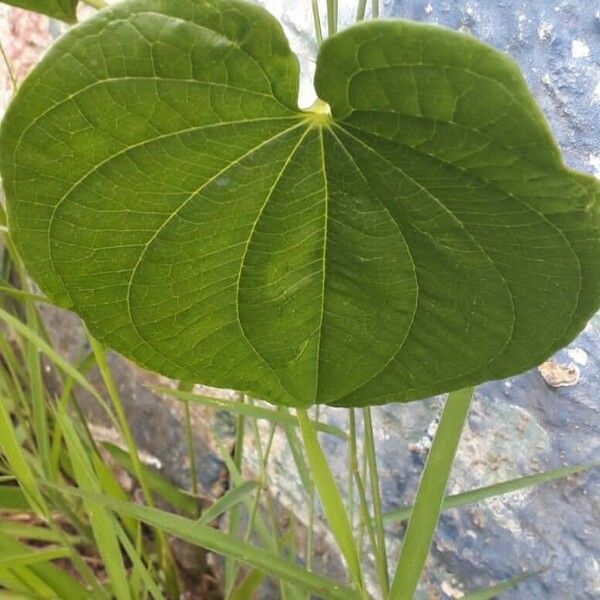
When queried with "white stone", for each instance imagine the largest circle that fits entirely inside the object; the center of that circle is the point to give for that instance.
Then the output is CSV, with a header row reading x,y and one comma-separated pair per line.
x,y
579,49
579,355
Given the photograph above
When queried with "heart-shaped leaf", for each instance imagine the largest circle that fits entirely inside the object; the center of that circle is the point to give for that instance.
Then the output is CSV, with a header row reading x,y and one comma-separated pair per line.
x,y
63,10
422,236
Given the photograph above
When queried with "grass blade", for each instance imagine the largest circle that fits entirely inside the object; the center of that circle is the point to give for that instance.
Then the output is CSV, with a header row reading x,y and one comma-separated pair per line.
x,y
14,292
34,367
26,531
157,483
167,560
232,498
28,485
102,522
495,489
248,586
234,466
44,347
45,575
222,543
247,410
430,494
330,497
379,549
30,558
495,590
138,566
19,466
12,498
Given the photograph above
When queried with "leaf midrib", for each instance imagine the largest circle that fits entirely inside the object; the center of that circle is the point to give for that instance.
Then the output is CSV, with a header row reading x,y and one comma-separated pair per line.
x,y
323,268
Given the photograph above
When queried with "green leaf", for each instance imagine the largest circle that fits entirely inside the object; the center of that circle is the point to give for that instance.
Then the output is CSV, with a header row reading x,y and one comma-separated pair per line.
x,y
495,590
331,500
156,482
430,494
224,544
42,576
33,557
64,10
495,489
102,522
162,182
232,498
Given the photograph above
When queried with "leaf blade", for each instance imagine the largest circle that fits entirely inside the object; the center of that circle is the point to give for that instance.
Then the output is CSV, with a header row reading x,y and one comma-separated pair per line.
x,y
428,502
331,500
495,489
257,247
64,10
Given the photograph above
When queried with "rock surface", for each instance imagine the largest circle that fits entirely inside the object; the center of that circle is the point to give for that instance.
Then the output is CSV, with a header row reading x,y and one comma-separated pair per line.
x,y
523,425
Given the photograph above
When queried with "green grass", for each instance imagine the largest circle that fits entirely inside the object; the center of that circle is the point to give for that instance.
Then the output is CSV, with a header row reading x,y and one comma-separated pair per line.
x,y
84,538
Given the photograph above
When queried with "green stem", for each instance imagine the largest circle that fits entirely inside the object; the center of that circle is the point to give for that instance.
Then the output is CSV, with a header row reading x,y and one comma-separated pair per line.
x,y
335,14
360,477
62,404
430,495
234,515
11,73
317,22
331,500
360,10
351,462
380,553
100,355
365,517
311,517
376,9
185,386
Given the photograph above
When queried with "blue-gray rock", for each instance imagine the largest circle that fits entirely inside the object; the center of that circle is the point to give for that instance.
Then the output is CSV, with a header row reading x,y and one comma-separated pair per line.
x,y
523,425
